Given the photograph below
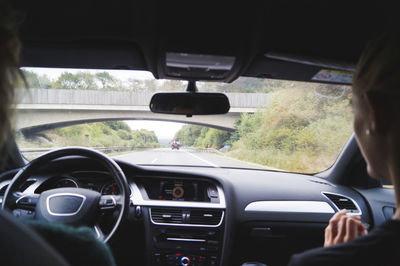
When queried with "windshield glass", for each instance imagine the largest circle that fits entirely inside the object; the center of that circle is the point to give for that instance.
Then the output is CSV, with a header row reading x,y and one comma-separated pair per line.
x,y
273,124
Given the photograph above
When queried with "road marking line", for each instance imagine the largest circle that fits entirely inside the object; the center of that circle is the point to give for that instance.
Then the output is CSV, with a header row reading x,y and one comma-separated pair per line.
x,y
201,159
155,160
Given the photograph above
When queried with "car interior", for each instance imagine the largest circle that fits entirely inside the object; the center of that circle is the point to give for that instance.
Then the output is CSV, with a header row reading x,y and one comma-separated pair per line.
x,y
228,216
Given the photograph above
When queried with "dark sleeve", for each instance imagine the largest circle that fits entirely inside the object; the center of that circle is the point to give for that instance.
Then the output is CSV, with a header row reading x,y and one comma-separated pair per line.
x,y
79,246
373,249
319,256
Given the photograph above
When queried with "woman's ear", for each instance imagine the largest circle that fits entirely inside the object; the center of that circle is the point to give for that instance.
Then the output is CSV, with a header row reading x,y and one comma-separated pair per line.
x,y
379,111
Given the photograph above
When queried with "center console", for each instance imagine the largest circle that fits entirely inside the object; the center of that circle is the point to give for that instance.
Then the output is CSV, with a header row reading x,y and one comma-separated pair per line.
x,y
184,219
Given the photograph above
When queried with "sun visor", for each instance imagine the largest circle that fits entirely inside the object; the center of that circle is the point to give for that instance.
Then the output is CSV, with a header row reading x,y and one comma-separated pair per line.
x,y
198,66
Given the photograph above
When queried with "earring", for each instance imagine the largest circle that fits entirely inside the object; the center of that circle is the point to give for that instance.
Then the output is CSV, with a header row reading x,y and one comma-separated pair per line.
x,y
368,132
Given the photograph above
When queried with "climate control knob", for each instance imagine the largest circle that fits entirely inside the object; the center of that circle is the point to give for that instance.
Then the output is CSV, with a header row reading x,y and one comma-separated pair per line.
x,y
185,261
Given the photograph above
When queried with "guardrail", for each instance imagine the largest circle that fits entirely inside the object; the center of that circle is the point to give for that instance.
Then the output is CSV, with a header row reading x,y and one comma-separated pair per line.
x,y
103,149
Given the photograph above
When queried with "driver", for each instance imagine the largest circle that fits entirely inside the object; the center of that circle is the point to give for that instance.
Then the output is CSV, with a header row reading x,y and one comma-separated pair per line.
x,y
77,245
376,98
9,72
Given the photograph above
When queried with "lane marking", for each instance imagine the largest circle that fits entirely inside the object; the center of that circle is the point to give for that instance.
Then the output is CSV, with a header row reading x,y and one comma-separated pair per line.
x,y
155,160
201,159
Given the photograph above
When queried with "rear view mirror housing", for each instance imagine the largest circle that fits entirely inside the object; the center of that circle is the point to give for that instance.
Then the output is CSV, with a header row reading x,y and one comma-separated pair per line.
x,y
189,103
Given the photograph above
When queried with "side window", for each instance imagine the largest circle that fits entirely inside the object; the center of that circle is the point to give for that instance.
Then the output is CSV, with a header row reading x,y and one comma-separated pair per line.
x,y
386,183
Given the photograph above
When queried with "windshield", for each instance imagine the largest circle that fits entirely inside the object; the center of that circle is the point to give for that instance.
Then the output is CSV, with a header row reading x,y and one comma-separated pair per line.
x,y
273,124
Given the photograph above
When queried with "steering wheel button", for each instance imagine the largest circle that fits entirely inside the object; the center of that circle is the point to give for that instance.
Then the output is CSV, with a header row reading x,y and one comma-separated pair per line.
x,y
23,200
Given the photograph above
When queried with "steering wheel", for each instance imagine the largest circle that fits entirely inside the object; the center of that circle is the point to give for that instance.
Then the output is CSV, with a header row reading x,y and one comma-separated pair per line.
x,y
71,206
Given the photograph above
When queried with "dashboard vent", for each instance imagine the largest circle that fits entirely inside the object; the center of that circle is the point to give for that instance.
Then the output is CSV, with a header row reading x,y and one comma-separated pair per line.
x,y
342,202
167,215
205,217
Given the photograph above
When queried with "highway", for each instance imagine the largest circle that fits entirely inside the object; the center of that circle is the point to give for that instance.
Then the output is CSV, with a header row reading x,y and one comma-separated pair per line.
x,y
165,156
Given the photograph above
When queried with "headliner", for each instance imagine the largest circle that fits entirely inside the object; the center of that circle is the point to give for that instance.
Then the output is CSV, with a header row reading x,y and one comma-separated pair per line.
x,y
123,34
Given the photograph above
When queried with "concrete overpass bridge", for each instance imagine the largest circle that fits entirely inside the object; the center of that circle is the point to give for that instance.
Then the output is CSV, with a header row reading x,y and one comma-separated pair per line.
x,y
41,109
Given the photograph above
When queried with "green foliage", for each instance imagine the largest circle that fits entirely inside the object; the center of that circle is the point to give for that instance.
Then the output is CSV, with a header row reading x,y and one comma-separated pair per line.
x,y
107,81
85,80
301,131
34,81
188,134
213,138
199,136
100,134
116,125
78,81
246,85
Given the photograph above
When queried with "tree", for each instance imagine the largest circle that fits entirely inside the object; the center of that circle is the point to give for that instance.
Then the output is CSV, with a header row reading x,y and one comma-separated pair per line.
x,y
34,80
117,125
108,82
78,81
200,136
134,85
173,85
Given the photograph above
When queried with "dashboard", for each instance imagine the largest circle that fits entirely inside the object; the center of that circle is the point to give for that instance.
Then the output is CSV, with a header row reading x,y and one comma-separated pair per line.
x,y
211,216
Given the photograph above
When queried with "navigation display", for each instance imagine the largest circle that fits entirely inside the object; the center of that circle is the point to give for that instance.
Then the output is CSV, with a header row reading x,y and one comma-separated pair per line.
x,y
177,189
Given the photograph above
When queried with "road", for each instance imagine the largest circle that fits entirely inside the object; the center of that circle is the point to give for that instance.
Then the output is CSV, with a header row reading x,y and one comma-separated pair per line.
x,y
167,156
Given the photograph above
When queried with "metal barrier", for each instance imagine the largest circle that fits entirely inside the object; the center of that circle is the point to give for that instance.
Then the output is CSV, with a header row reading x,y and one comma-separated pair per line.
x,y
103,149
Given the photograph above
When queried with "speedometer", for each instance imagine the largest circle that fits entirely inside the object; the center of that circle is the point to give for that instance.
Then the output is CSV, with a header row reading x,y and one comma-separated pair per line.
x,y
65,182
110,189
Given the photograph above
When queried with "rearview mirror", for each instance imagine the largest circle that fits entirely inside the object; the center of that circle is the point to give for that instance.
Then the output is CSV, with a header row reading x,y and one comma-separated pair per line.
x,y
189,103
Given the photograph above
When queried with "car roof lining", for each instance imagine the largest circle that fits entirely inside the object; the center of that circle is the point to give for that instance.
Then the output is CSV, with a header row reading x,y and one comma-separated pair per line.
x,y
124,34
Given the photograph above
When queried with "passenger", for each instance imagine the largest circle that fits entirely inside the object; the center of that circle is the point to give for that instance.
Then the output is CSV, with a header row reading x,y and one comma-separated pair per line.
x,y
376,106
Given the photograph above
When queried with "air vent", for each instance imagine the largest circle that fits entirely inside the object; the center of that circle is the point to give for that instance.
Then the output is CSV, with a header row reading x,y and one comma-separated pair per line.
x,y
167,215
342,202
205,217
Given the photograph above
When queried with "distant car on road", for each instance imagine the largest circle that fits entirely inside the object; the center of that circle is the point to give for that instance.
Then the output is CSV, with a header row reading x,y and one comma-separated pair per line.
x,y
175,145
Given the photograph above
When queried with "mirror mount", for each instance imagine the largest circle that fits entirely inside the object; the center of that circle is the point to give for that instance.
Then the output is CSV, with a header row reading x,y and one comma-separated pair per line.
x,y
191,86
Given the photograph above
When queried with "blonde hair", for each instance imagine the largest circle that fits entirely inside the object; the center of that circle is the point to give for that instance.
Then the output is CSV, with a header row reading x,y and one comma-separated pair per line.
x,y
379,66
9,74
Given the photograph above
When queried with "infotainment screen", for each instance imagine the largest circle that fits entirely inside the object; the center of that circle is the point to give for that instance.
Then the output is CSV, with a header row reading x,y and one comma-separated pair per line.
x,y
177,189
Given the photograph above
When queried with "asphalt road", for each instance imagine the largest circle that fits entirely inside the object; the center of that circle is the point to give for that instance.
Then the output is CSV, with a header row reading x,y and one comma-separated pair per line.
x,y
167,156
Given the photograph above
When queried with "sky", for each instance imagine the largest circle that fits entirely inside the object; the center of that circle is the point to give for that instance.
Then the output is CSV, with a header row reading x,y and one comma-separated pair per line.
x,y
163,130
